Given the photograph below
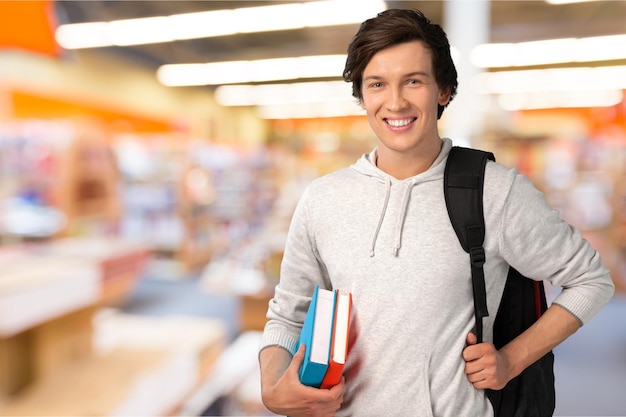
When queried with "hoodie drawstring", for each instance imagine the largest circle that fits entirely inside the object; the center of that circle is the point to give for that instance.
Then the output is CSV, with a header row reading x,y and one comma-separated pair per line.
x,y
382,214
402,217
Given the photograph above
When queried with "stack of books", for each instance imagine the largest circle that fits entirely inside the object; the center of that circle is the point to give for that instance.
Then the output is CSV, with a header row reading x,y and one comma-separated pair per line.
x,y
325,334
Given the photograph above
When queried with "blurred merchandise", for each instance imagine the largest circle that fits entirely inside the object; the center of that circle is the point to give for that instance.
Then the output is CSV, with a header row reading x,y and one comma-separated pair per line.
x,y
49,293
232,387
578,158
35,288
25,219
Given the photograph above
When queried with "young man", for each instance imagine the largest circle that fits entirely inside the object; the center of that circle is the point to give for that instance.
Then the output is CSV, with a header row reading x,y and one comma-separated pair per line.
x,y
380,229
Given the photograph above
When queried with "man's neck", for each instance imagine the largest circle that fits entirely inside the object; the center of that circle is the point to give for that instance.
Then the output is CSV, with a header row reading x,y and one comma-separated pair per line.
x,y
403,165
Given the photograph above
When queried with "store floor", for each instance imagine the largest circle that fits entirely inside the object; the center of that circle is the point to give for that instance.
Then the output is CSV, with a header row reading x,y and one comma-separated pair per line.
x,y
590,366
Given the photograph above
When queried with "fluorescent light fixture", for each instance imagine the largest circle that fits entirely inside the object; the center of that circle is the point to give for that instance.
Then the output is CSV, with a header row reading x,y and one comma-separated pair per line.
x,y
560,99
568,1
293,100
309,110
268,18
555,87
82,35
216,23
553,51
203,24
233,72
552,79
280,94
139,31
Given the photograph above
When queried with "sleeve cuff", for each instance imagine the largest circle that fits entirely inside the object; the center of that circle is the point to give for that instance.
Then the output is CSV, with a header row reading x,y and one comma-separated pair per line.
x,y
281,339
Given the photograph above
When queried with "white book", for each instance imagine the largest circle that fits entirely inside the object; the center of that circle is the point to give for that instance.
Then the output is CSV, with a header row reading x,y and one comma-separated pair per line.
x,y
323,328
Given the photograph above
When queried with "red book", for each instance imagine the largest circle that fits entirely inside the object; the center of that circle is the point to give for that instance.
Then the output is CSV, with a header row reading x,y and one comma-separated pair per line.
x,y
339,341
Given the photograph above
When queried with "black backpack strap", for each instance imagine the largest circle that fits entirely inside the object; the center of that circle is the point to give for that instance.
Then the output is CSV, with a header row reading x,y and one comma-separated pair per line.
x,y
463,192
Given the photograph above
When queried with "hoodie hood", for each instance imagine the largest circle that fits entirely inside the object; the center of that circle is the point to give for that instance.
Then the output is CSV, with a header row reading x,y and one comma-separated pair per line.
x,y
366,165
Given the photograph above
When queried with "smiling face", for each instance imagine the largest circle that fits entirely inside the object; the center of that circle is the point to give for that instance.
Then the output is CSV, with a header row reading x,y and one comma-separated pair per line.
x,y
400,96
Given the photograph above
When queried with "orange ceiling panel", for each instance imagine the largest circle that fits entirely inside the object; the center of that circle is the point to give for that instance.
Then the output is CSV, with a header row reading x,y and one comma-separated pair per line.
x,y
28,25
29,106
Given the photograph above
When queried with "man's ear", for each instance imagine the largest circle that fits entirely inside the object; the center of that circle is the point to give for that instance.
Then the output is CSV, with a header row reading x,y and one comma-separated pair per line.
x,y
444,97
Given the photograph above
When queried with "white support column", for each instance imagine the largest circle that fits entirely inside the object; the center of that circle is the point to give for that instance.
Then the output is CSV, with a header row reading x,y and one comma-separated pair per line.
x,y
467,24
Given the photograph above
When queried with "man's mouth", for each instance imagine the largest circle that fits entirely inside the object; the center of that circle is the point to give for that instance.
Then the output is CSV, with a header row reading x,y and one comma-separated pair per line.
x,y
399,122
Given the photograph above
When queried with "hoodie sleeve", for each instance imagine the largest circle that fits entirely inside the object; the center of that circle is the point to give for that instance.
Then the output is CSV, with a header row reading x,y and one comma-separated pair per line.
x,y
301,270
541,245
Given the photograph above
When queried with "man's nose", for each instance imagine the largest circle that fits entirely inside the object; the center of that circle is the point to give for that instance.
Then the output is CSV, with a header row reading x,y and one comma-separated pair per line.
x,y
396,100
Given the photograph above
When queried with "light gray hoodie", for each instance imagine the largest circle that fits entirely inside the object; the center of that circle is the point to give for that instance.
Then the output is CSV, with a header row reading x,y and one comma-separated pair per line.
x,y
391,244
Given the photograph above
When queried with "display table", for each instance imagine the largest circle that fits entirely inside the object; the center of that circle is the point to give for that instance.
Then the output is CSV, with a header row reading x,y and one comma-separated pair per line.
x,y
142,366
48,295
41,282
65,349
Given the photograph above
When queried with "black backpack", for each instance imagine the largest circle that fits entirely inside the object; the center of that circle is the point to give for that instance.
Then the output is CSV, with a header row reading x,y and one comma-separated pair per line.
x,y
530,394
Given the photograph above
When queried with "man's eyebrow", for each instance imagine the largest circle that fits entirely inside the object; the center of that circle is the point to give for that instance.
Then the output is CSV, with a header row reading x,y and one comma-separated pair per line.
x,y
373,77
418,73
410,74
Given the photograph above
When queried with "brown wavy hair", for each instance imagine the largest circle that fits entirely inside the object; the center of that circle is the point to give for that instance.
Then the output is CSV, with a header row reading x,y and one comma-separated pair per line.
x,y
393,27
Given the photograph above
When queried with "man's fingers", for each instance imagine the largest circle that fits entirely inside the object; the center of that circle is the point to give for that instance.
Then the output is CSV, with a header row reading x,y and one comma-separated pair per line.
x,y
338,390
471,352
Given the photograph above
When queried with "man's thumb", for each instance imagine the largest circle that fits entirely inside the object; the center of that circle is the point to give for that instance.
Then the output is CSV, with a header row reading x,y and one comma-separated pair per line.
x,y
298,358
471,339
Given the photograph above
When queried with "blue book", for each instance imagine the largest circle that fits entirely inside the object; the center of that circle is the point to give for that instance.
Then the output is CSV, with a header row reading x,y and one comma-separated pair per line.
x,y
316,335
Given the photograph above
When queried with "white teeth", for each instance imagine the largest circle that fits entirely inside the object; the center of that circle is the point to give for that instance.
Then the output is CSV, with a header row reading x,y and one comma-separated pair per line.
x,y
399,123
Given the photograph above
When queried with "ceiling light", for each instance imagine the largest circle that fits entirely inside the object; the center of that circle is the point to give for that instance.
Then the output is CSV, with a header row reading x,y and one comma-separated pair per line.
x,y
233,72
568,1
552,79
139,31
216,23
280,94
82,35
268,18
203,24
293,100
309,110
553,51
555,87
560,99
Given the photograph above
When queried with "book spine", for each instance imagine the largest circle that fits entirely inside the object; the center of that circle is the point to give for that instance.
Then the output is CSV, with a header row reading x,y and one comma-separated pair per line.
x,y
313,373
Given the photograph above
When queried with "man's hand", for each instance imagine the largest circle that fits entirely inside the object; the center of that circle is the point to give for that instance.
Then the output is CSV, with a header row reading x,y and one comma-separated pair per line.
x,y
284,394
485,367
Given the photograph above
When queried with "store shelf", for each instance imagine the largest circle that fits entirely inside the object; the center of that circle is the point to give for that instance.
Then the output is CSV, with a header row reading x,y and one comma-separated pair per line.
x,y
49,293
119,383
131,357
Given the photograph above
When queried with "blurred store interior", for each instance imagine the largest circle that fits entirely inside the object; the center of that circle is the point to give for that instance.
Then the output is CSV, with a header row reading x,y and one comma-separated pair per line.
x,y
152,152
